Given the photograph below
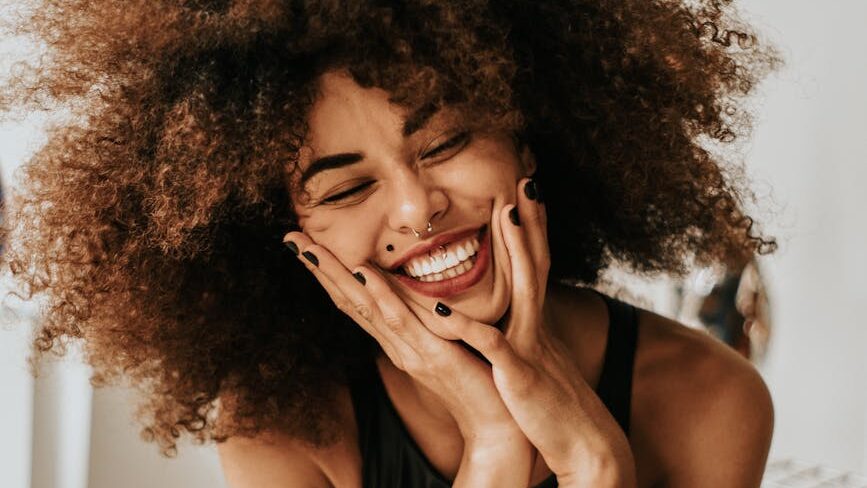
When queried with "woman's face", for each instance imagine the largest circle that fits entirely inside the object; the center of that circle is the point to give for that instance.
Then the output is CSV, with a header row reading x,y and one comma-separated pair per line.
x,y
374,172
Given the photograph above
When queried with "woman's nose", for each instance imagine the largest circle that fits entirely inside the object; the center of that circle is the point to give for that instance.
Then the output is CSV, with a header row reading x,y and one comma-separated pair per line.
x,y
416,202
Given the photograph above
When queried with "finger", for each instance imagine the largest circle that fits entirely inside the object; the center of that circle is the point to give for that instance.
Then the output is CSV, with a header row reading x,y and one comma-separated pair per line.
x,y
431,320
451,325
300,245
527,291
401,323
510,371
345,291
534,219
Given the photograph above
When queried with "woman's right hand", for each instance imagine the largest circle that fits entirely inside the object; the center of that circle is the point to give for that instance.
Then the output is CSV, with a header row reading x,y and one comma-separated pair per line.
x,y
409,334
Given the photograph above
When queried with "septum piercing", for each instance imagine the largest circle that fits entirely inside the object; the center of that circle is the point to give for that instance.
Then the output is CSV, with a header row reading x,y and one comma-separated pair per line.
x,y
418,234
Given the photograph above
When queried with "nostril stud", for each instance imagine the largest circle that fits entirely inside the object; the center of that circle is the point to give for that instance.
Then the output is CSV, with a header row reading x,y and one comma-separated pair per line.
x,y
389,248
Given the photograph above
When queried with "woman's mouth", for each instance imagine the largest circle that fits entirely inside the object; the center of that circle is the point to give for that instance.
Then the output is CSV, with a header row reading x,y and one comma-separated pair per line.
x,y
451,269
446,262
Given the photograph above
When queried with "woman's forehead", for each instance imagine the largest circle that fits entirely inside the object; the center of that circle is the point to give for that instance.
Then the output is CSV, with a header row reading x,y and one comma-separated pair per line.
x,y
345,111
347,116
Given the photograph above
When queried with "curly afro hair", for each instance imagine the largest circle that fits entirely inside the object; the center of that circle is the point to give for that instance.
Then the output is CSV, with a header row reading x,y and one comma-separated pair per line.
x,y
151,221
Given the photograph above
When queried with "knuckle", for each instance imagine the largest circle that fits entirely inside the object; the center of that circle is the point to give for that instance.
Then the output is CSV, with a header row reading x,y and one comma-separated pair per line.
x,y
493,340
341,303
398,363
364,311
414,367
394,323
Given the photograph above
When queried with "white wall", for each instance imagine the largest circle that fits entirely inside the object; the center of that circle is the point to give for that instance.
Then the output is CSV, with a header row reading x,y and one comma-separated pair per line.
x,y
118,457
810,148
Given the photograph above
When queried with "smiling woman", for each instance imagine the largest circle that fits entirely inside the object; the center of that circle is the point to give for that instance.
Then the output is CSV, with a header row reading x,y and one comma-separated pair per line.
x,y
444,173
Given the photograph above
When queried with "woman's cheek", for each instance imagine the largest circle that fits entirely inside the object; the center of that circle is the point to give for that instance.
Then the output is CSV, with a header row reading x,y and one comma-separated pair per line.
x,y
352,244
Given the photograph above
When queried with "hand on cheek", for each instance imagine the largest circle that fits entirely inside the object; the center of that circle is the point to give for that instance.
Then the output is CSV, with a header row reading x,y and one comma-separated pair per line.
x,y
412,337
524,232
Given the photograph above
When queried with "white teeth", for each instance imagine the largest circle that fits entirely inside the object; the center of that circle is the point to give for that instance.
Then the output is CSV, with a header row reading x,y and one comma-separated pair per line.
x,y
462,253
438,265
454,257
450,273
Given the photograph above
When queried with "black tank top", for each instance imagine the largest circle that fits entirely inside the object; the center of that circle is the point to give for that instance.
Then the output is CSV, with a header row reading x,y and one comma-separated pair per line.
x,y
391,457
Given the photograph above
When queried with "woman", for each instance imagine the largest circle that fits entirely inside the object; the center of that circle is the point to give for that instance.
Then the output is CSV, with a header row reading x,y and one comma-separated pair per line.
x,y
446,172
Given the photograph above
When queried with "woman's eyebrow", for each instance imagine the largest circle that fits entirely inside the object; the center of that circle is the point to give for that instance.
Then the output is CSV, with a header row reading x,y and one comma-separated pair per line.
x,y
418,119
332,161
413,123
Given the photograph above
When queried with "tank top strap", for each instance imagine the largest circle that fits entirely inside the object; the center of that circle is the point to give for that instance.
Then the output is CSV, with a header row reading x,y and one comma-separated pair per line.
x,y
615,381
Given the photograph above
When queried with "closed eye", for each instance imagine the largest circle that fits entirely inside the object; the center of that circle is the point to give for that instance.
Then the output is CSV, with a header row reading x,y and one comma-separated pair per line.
x,y
458,141
348,193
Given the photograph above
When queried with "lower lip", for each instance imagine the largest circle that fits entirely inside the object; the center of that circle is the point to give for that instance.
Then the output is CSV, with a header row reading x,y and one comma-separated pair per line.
x,y
458,284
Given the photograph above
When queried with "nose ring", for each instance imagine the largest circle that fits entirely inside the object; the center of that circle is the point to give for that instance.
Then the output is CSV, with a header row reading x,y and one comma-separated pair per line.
x,y
418,234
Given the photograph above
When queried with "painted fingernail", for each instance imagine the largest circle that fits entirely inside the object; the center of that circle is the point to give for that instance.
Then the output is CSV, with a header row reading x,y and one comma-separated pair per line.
x,y
531,190
360,277
311,257
292,247
442,310
513,216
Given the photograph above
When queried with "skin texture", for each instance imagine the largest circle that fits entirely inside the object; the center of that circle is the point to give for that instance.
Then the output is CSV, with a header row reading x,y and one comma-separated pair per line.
x,y
460,188
151,222
476,428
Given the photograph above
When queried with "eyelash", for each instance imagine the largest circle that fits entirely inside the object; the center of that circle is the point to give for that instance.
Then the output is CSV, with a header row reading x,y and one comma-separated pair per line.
x,y
344,194
457,140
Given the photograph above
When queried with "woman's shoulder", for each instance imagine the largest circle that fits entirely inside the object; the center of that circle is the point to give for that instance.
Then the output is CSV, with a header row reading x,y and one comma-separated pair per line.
x,y
701,412
277,459
695,401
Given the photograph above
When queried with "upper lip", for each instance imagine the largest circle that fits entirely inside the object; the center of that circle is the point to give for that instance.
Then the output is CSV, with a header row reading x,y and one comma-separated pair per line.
x,y
439,240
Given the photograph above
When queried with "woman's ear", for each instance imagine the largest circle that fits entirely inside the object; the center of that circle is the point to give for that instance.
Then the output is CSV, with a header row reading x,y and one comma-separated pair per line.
x,y
528,160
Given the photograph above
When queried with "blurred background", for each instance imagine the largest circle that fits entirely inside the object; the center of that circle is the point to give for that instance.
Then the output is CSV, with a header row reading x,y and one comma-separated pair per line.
x,y
797,314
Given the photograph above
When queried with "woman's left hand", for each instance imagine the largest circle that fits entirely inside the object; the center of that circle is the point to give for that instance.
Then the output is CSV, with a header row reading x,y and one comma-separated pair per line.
x,y
537,379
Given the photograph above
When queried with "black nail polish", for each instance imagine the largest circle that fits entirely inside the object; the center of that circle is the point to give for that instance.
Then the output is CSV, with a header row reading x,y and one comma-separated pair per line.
x,y
513,216
360,277
292,247
531,190
442,310
311,257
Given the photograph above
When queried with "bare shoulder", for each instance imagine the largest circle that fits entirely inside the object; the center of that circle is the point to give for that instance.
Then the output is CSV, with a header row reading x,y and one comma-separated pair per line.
x,y
276,460
701,413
